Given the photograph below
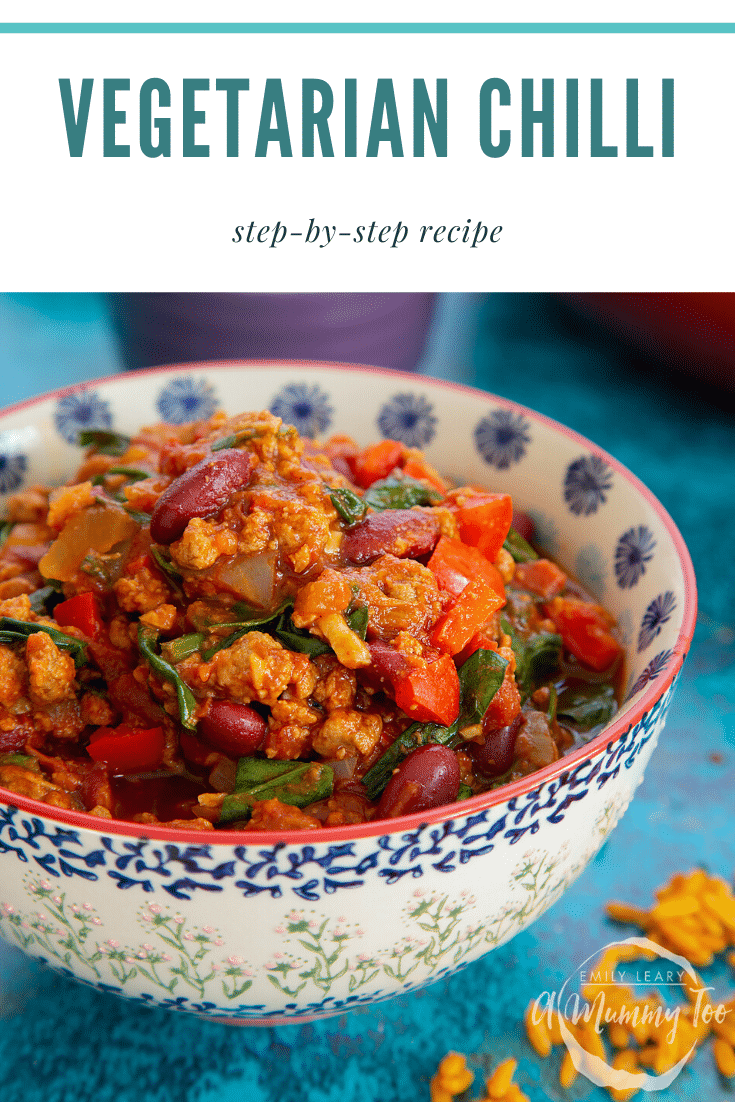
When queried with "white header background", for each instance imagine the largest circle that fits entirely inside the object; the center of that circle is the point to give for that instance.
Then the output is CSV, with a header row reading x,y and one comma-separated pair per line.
x,y
95,223
378,10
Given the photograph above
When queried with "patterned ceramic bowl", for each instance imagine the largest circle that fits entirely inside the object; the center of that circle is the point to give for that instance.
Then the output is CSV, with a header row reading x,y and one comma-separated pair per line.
x,y
282,928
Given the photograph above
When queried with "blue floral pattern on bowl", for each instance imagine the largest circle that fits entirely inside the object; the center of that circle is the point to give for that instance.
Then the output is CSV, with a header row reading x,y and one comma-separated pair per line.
x,y
408,418
633,552
12,470
187,399
653,670
587,482
81,410
503,438
307,408
657,614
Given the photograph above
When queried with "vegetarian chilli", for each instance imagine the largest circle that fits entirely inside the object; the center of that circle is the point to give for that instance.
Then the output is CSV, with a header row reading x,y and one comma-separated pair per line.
x,y
221,624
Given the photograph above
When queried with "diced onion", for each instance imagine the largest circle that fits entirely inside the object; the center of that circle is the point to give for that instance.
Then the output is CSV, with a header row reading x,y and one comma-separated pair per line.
x,y
344,770
223,776
252,577
97,529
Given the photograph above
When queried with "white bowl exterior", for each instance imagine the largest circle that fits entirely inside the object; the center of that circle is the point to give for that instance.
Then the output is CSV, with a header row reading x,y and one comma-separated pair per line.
x,y
261,931
290,932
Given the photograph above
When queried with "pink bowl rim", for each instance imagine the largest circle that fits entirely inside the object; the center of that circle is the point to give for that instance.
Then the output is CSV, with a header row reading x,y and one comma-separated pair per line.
x,y
622,723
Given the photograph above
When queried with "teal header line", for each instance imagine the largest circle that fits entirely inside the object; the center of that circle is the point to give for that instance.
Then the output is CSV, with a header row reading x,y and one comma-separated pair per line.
x,y
367,28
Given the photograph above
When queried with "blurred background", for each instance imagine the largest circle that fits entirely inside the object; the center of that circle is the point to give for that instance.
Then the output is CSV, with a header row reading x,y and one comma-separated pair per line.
x,y
651,379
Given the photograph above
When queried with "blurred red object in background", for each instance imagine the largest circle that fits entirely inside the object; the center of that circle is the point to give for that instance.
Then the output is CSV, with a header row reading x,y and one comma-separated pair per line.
x,y
694,332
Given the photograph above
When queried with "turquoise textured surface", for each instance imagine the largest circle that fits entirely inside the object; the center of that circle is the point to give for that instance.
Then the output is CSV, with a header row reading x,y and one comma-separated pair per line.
x,y
60,1040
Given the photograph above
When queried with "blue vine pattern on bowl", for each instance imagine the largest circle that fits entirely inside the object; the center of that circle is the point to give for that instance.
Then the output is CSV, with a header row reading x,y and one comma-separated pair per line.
x,y
307,408
633,552
658,613
81,410
502,438
311,871
187,399
12,470
587,482
409,418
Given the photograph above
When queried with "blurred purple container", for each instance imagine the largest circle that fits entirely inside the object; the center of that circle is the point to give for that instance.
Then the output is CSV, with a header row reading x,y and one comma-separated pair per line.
x,y
387,330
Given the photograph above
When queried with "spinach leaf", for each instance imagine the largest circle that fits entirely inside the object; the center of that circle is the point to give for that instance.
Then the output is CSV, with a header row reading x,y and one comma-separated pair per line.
x,y
107,443
242,627
298,783
98,566
480,677
143,519
537,658
357,620
587,706
543,653
233,441
6,527
23,760
147,641
165,564
542,656
519,548
133,474
553,704
226,642
400,493
349,506
178,649
45,600
297,639
17,631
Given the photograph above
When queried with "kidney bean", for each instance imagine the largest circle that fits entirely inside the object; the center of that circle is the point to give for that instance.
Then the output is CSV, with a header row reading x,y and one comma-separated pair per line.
x,y
200,492
25,554
429,777
234,729
494,756
12,741
129,697
387,666
523,524
340,464
405,533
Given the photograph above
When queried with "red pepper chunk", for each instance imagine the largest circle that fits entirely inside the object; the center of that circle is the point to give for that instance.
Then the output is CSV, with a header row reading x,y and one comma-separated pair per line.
x,y
430,694
81,612
541,576
585,631
455,564
482,640
465,616
417,467
377,461
505,705
484,521
127,749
